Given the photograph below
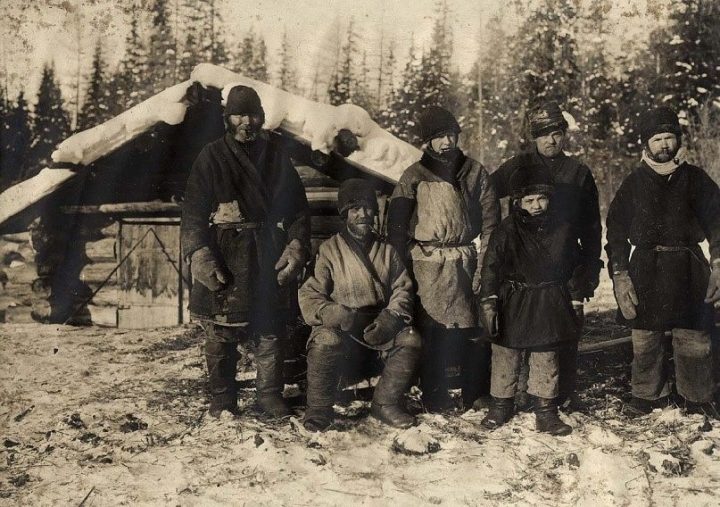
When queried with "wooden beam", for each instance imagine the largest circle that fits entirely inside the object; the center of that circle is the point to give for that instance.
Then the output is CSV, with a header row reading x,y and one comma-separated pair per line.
x,y
123,207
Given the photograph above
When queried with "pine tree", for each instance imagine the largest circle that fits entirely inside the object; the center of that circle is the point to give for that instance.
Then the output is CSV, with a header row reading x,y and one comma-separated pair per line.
x,y
191,53
214,46
342,83
286,75
399,118
51,124
15,142
162,57
95,108
131,84
688,56
386,74
244,52
361,94
258,64
436,76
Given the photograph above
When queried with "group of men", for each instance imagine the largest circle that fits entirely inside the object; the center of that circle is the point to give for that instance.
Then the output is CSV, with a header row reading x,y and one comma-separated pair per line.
x,y
451,283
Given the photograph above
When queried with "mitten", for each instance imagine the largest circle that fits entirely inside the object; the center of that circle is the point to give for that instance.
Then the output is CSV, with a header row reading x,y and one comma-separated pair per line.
x,y
488,316
290,263
337,316
384,328
206,269
625,295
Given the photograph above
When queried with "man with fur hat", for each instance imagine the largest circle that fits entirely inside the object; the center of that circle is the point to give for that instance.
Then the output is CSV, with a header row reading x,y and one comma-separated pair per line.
x,y
664,209
576,200
440,206
530,261
359,301
246,232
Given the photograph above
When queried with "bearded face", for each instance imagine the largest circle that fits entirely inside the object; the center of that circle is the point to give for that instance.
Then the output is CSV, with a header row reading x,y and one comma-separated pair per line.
x,y
663,147
550,145
244,127
360,221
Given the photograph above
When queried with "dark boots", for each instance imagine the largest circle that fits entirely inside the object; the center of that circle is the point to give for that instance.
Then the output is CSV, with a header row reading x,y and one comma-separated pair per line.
x,y
323,362
396,378
500,412
547,419
222,365
476,374
269,383
433,377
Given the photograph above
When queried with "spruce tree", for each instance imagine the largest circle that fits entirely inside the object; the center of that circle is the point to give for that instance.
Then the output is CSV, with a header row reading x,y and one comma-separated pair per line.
x,y
399,118
286,74
51,124
131,84
342,83
162,57
258,64
15,142
191,53
95,108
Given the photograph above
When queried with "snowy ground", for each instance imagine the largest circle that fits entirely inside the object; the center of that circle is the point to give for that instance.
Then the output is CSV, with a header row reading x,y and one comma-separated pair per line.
x,y
118,417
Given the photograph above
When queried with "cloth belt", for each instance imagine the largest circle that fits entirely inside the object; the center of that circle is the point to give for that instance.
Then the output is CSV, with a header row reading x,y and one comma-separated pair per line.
x,y
442,244
692,248
517,285
239,226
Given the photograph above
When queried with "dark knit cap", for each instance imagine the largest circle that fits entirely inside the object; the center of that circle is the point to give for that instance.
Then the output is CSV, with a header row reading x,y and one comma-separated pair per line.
x,y
658,121
435,121
243,100
356,192
546,118
529,180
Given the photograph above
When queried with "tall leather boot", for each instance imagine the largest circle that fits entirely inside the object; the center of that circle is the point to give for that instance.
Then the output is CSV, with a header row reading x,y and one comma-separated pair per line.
x,y
500,412
269,381
476,374
395,380
323,363
433,376
222,360
547,419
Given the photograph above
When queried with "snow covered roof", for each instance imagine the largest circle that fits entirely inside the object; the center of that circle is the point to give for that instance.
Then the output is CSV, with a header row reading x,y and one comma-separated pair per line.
x,y
380,153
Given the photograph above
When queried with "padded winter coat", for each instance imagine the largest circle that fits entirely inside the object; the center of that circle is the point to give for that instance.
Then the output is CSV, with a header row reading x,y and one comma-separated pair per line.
x,y
435,213
665,218
246,203
528,265
575,200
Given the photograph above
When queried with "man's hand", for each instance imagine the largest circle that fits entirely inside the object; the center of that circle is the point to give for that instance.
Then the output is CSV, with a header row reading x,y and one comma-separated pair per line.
x,y
206,269
290,263
488,316
625,295
477,282
384,328
713,290
337,316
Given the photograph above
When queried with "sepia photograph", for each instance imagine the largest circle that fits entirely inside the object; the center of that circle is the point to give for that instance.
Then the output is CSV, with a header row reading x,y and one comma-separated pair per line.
x,y
380,252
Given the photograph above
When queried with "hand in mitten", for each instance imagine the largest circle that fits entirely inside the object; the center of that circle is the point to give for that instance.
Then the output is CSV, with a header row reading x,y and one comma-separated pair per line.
x,y
290,263
337,316
577,307
206,269
625,295
384,328
488,316
713,290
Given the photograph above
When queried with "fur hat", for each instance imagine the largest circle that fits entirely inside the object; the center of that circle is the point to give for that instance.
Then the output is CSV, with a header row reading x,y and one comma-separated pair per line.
x,y
435,121
529,180
657,121
356,192
546,118
243,100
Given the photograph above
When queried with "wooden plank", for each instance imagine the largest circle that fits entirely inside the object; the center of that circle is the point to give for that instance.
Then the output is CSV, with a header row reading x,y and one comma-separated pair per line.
x,y
586,348
102,250
124,207
146,316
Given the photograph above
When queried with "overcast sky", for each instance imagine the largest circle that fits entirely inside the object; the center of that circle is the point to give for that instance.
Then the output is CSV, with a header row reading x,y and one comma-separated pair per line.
x,y
50,30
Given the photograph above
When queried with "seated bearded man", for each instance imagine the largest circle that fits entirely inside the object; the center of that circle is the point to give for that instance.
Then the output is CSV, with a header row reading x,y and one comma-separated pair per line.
x,y
359,301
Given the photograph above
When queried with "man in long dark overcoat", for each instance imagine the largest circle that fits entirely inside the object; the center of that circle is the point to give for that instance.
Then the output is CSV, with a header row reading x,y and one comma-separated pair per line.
x,y
664,209
246,232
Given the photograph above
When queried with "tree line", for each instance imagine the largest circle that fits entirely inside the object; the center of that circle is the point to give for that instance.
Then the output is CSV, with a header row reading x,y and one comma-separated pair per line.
x,y
559,51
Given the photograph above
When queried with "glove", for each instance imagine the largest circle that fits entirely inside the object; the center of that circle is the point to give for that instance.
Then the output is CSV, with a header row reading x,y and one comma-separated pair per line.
x,y
488,316
337,316
625,294
579,310
290,263
713,290
384,328
206,269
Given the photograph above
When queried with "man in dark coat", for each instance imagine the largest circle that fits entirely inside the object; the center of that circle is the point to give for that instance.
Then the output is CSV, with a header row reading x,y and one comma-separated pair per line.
x,y
246,231
665,208
439,208
576,200
359,302
526,305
